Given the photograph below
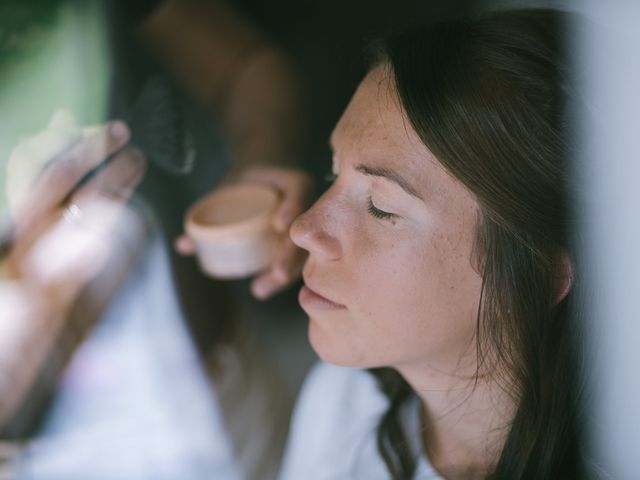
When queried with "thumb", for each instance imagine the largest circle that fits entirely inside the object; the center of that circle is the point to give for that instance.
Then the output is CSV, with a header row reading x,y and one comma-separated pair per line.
x,y
287,211
184,245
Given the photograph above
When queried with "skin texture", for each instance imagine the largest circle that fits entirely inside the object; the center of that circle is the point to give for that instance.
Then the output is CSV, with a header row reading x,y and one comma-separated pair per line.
x,y
402,290
407,282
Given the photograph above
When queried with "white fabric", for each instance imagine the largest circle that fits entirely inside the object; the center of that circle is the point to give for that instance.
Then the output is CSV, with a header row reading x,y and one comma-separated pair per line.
x,y
333,430
135,402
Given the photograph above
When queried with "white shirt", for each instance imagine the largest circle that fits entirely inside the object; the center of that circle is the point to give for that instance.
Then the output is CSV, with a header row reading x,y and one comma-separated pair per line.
x,y
135,402
333,430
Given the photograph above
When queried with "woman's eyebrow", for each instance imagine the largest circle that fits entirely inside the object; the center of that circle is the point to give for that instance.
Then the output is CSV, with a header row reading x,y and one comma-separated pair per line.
x,y
389,175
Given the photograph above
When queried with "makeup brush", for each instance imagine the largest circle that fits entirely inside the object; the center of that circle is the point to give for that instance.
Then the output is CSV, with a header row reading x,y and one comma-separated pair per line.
x,y
158,129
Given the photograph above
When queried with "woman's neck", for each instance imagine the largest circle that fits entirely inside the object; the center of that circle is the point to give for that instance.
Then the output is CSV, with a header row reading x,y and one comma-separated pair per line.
x,y
464,423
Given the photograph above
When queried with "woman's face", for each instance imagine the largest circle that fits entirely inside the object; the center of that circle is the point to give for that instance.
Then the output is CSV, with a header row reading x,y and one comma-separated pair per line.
x,y
389,280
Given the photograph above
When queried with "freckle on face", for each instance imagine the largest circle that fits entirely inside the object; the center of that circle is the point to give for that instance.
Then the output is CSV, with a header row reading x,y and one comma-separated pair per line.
x,y
409,289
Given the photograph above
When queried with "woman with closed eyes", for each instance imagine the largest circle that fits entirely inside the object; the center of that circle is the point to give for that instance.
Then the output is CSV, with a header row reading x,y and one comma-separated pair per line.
x,y
439,260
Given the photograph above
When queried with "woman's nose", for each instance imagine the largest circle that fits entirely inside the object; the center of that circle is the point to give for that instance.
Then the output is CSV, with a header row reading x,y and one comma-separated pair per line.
x,y
315,231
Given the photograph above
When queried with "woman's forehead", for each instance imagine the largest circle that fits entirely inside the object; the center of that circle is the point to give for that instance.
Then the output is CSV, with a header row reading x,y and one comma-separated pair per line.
x,y
375,131
374,119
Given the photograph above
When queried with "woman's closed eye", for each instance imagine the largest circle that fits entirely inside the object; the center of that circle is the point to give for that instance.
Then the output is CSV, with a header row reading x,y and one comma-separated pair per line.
x,y
332,176
377,213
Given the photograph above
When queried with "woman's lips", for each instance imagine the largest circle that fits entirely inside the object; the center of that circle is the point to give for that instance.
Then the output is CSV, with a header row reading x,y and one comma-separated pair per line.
x,y
314,301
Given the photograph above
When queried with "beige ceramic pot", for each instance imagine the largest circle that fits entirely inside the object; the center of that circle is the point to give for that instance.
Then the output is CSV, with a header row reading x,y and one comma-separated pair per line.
x,y
231,229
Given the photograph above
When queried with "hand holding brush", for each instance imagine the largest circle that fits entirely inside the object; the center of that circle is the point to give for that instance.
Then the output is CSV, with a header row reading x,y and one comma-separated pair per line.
x,y
70,239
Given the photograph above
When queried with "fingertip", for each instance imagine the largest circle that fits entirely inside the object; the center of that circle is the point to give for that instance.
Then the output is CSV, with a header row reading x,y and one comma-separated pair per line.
x,y
283,219
184,246
259,289
119,130
270,282
281,274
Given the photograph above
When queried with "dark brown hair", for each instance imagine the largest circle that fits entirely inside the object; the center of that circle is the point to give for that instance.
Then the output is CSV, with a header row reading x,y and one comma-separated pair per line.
x,y
489,99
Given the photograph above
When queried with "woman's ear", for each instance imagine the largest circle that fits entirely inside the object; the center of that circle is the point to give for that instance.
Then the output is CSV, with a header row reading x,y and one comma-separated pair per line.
x,y
564,277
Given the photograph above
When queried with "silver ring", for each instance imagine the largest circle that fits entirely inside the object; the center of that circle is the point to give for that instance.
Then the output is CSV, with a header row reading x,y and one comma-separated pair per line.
x,y
72,213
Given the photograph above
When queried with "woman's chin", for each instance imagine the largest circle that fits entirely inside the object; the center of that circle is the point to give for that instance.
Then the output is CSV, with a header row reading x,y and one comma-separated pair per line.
x,y
336,349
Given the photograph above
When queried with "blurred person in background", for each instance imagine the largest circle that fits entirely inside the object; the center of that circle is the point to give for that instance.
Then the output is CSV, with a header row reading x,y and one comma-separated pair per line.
x,y
73,255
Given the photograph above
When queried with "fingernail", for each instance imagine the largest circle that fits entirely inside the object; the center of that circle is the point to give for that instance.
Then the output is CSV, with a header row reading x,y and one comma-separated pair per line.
x,y
119,130
260,291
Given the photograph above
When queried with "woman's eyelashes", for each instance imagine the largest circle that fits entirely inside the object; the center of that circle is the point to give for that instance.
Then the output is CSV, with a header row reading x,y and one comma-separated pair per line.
x,y
377,213
331,176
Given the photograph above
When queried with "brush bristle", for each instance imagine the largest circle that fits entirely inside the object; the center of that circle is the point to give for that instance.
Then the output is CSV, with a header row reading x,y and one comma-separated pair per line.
x,y
159,129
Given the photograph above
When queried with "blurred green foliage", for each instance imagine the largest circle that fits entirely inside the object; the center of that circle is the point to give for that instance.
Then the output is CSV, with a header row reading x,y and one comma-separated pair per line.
x,y
22,23
53,54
